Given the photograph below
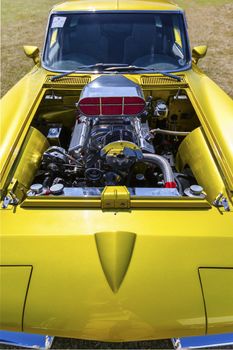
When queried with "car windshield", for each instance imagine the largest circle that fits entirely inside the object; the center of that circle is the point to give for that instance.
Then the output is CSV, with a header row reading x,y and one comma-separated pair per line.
x,y
151,40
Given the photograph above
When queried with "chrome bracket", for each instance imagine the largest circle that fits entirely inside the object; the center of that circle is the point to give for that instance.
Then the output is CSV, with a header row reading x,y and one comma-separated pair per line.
x,y
221,201
9,199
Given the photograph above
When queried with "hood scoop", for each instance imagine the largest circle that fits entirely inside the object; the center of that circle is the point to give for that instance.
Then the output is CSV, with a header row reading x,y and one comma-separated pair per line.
x,y
115,251
111,95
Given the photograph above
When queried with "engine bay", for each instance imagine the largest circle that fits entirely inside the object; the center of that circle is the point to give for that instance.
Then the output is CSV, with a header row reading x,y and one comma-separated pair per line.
x,y
114,134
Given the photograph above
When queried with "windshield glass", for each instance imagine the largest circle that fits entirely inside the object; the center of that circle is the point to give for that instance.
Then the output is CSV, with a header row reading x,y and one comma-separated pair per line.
x,y
151,40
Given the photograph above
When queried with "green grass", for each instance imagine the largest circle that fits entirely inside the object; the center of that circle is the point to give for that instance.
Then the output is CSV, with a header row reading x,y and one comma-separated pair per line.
x,y
23,22
190,3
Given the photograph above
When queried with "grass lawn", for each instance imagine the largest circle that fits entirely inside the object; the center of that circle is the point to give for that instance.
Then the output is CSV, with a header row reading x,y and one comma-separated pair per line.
x,y
24,21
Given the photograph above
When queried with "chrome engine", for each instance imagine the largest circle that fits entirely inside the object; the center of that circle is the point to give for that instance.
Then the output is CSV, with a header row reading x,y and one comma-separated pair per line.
x,y
92,134
111,142
111,110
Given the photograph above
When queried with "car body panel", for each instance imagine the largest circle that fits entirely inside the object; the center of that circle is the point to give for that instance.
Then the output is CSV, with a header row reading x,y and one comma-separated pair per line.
x,y
213,102
27,94
120,5
161,289
218,292
194,152
13,278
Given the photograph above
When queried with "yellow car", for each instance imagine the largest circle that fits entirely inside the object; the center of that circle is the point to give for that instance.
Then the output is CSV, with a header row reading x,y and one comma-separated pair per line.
x,y
117,181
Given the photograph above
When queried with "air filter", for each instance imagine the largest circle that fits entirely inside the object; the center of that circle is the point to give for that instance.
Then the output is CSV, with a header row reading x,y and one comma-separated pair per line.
x,y
111,95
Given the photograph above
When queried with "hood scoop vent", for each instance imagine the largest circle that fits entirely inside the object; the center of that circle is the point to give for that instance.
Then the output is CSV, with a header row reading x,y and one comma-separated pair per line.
x,y
111,95
70,81
150,80
115,251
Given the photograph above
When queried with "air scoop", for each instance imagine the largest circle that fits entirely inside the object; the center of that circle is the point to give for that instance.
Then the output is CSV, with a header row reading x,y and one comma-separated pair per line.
x,y
111,95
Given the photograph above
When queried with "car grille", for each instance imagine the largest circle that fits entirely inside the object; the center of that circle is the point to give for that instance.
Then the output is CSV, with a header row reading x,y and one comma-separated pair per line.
x,y
68,81
155,80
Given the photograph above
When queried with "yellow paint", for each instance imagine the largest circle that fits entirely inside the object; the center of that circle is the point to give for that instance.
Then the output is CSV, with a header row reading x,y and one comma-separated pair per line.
x,y
215,111
30,157
160,295
115,250
177,36
26,94
112,195
199,52
115,197
117,147
98,5
32,52
195,153
53,38
14,281
218,293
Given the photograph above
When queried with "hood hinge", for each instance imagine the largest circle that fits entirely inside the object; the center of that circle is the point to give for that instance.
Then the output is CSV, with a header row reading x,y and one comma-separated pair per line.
x,y
11,198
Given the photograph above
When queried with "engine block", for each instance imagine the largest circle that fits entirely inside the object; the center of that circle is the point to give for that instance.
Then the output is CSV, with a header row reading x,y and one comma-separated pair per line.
x,y
95,133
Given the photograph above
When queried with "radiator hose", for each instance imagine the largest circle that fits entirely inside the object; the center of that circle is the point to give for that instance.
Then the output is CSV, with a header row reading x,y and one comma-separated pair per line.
x,y
163,164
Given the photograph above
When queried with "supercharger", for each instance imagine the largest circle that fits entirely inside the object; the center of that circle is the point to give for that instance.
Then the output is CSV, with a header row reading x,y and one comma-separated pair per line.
x,y
111,109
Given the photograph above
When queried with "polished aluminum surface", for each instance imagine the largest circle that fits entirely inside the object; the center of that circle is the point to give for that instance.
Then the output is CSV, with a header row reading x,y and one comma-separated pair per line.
x,y
96,192
114,85
80,135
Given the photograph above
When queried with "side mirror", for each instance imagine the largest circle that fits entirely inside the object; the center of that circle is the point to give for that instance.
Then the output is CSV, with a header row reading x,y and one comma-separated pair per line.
x,y
199,52
32,52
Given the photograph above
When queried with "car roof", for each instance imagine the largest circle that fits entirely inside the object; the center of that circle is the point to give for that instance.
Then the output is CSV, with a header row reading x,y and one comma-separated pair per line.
x,y
116,5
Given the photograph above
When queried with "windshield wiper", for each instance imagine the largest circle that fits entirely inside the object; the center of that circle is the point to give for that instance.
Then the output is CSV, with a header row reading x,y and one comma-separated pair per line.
x,y
136,68
112,67
100,66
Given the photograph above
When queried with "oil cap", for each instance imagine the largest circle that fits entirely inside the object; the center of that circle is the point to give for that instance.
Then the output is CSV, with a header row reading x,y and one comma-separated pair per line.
x,y
57,189
36,188
195,191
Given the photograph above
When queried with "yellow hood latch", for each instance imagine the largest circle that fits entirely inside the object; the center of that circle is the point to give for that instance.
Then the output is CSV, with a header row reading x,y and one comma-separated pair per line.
x,y
115,197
